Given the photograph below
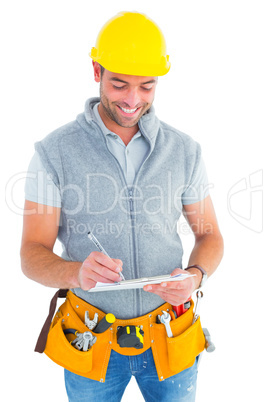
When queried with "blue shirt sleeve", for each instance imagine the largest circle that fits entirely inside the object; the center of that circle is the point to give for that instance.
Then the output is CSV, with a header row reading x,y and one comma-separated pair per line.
x,y
199,188
39,187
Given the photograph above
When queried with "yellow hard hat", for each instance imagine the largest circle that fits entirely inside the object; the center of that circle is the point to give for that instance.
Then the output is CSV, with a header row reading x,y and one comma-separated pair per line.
x,y
131,43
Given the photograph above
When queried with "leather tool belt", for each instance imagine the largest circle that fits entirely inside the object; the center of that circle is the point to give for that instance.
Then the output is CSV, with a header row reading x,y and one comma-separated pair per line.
x,y
171,355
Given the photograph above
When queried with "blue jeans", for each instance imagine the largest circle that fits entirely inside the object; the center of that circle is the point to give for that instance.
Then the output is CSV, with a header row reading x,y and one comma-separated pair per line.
x,y
180,387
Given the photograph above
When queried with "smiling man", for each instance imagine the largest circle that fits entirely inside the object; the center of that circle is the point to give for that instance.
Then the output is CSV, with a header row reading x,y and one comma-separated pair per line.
x,y
127,177
124,99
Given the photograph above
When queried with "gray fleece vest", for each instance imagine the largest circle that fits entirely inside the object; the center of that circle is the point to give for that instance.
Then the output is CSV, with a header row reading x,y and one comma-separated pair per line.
x,y
136,224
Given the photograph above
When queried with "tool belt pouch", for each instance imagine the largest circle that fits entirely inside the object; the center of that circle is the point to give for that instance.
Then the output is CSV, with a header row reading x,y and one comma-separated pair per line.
x,y
59,349
171,355
183,349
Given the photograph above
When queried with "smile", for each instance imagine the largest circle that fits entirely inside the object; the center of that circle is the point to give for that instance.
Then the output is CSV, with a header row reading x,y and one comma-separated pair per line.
x,y
129,111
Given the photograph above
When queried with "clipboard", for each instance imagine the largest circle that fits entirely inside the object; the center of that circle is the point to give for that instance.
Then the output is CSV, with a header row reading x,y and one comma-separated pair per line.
x,y
138,283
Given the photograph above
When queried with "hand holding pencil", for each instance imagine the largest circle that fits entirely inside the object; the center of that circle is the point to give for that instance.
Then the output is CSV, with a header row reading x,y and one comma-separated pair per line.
x,y
99,267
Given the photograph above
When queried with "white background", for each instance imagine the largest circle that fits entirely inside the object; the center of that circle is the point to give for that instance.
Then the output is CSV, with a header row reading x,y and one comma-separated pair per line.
x,y
216,91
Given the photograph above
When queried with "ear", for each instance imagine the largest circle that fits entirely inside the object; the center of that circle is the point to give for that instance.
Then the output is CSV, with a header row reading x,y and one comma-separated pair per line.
x,y
97,71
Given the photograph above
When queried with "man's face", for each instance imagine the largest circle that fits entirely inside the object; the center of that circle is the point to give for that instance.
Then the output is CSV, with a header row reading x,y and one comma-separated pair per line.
x,y
125,98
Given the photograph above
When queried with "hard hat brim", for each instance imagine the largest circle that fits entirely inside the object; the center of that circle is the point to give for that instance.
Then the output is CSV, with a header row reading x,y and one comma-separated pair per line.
x,y
140,69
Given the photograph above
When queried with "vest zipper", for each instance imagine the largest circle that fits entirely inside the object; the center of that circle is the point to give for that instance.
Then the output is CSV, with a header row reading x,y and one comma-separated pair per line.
x,y
130,193
131,207
132,222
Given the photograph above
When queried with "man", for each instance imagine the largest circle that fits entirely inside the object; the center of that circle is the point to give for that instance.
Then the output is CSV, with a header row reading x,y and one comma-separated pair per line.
x,y
120,173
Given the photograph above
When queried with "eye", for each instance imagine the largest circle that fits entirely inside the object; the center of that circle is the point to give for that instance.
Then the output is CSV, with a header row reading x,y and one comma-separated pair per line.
x,y
146,89
118,88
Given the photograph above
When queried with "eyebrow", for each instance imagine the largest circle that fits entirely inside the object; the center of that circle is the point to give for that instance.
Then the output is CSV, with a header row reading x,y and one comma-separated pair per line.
x,y
125,82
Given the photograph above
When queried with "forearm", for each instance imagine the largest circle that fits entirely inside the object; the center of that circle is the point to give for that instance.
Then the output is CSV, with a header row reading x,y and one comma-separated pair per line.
x,y
42,265
207,253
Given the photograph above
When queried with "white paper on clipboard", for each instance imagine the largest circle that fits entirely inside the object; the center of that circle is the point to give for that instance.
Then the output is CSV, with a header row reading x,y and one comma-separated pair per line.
x,y
138,283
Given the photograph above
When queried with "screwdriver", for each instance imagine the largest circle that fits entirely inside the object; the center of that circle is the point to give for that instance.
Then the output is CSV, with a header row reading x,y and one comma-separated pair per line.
x,y
104,324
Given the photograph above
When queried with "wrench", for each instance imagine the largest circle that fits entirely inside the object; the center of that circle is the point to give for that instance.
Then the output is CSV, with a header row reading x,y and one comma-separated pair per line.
x,y
199,295
89,339
84,341
165,319
78,341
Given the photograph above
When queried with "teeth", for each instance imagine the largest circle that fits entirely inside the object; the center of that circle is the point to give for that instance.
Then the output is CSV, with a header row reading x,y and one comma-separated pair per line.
x,y
128,110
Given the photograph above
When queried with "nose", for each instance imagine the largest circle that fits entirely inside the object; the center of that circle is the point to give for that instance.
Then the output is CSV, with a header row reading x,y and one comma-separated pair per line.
x,y
132,98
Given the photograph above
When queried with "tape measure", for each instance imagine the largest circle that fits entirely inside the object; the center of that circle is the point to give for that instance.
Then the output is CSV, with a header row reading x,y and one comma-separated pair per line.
x,y
130,337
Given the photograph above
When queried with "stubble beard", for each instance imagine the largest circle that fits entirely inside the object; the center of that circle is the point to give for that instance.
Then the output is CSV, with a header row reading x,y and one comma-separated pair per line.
x,y
114,116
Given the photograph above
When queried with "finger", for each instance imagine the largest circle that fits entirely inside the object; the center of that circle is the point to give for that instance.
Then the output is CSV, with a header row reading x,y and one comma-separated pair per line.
x,y
99,272
90,282
98,277
170,295
104,260
180,285
167,288
97,259
119,263
178,271
176,285
173,299
103,274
